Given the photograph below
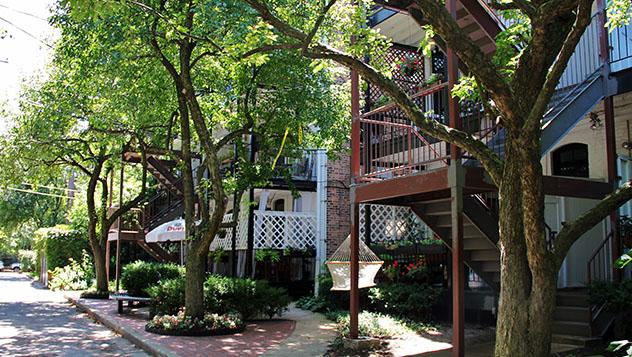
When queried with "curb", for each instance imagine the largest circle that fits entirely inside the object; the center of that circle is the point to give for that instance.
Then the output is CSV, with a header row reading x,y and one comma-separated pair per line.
x,y
127,333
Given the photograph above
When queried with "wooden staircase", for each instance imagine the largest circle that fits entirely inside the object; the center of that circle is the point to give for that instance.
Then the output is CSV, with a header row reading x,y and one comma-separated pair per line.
x,y
479,240
572,321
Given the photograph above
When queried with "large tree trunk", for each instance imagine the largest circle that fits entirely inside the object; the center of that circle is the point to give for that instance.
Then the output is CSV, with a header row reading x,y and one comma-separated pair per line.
x,y
194,291
100,268
528,288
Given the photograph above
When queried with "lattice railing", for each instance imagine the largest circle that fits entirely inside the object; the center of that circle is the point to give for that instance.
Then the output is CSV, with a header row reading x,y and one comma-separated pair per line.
x,y
391,224
409,82
280,230
224,241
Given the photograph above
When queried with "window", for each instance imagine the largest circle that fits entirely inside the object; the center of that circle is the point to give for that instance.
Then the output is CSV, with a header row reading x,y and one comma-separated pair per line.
x,y
571,160
279,205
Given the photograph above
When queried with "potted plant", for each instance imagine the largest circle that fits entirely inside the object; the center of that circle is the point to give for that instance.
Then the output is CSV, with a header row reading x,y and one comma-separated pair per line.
x,y
409,65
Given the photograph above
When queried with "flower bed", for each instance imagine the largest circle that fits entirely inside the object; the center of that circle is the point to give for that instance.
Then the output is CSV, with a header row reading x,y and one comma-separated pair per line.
x,y
181,325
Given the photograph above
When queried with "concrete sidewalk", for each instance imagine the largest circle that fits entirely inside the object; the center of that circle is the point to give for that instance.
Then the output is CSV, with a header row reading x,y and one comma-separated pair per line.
x,y
298,333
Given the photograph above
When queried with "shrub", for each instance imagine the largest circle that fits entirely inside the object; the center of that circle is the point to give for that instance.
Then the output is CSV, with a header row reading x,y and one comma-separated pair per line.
x,y
138,276
60,244
313,303
371,324
222,294
273,301
167,297
413,301
248,297
617,298
28,260
77,275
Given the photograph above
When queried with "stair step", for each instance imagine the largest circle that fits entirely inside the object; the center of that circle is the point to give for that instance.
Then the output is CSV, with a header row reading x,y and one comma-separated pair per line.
x,y
436,208
476,244
490,267
572,299
572,314
482,255
578,341
572,328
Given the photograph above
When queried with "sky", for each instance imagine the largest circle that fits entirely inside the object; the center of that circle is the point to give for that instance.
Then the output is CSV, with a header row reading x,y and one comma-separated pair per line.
x,y
24,51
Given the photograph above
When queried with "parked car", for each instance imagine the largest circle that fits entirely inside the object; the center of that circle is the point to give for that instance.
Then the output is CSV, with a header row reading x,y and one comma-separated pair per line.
x,y
16,267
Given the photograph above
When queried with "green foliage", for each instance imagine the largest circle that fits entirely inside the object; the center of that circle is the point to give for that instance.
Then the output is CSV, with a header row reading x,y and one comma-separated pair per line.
x,y
138,276
313,304
95,294
267,255
167,297
222,294
414,301
28,260
617,346
61,244
183,323
616,296
76,275
371,324
619,13
624,259
248,297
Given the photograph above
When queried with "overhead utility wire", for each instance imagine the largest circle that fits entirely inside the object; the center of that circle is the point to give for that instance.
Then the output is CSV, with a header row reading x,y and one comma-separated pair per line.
x,y
24,13
26,32
35,192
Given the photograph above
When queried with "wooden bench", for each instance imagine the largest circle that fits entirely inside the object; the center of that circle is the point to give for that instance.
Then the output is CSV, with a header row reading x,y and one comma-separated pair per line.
x,y
120,298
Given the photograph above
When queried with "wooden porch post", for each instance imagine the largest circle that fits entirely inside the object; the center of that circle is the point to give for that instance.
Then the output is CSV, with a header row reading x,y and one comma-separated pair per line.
x,y
456,179
611,144
355,173
354,304
107,258
120,229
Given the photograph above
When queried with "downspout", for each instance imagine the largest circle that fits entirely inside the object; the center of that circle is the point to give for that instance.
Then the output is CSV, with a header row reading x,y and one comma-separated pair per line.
x,y
321,215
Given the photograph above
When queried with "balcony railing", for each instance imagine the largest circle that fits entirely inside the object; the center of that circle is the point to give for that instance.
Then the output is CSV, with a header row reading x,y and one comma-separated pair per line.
x,y
585,60
392,146
621,48
302,168
280,230
272,230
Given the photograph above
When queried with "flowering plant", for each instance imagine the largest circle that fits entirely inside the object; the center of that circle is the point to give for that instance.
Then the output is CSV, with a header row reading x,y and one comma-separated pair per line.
x,y
181,322
409,65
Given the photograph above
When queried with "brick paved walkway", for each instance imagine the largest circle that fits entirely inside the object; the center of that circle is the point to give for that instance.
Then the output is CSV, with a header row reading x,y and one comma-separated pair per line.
x,y
297,334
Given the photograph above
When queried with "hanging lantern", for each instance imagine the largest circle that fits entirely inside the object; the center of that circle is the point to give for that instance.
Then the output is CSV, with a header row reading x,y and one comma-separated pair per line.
x,y
339,265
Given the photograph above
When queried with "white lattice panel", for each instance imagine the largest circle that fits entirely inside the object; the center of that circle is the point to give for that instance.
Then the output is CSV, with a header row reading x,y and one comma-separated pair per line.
x,y
280,230
242,232
390,224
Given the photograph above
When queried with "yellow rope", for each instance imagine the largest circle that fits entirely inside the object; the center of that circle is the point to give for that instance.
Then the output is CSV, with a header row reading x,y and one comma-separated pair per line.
x,y
287,130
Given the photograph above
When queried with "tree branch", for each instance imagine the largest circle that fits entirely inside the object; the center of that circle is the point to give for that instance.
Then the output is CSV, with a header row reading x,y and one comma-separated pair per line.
x,y
573,230
319,21
270,48
470,53
582,20
487,157
138,199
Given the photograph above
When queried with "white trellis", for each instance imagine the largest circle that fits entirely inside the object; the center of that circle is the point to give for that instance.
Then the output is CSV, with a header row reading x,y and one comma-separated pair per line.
x,y
225,241
273,230
390,224
280,230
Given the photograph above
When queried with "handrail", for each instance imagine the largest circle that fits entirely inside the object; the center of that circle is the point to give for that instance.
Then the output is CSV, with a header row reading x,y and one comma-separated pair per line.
x,y
550,235
595,255
390,105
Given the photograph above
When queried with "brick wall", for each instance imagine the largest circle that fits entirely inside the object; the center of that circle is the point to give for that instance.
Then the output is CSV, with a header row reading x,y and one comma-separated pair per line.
x,y
338,204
